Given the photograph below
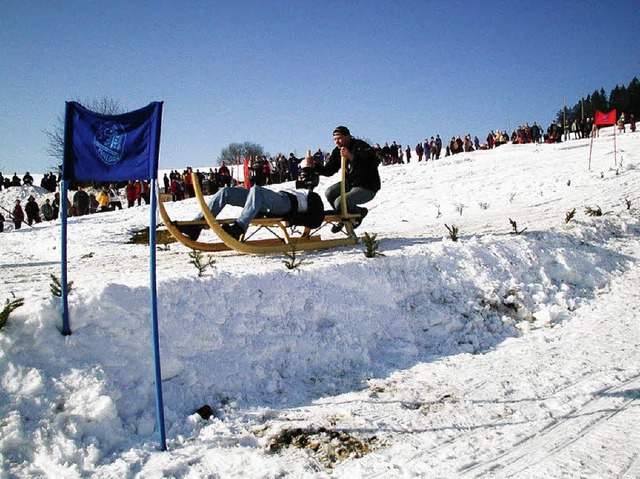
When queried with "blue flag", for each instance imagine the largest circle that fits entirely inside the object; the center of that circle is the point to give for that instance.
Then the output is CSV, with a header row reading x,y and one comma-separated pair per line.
x,y
111,147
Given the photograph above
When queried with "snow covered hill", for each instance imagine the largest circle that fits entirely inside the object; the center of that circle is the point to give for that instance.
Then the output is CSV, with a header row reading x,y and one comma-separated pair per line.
x,y
497,355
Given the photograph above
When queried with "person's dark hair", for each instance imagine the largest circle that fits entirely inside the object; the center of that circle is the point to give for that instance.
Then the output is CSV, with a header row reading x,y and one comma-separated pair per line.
x,y
307,179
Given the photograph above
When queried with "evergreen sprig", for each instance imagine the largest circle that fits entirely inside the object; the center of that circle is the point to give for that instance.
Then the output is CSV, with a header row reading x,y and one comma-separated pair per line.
x,y
371,245
292,262
56,286
453,232
10,307
514,227
569,215
200,262
597,211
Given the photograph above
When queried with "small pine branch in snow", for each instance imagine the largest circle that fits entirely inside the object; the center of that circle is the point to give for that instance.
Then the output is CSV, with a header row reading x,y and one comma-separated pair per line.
x,y
597,211
200,262
627,203
86,256
459,208
514,227
371,245
56,286
10,307
569,215
453,232
291,263
484,206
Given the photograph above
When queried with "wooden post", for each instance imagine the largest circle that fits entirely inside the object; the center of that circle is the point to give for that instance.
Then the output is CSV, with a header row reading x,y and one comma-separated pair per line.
x,y
347,222
343,187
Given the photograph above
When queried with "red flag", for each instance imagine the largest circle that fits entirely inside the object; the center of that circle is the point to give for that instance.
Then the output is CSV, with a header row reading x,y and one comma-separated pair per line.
x,y
608,118
247,174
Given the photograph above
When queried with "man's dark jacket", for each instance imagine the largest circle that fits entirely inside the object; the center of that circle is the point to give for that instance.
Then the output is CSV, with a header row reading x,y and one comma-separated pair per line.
x,y
362,171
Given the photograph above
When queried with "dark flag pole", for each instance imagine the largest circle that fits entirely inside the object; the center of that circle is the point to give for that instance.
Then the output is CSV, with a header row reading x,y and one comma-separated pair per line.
x,y
66,328
68,144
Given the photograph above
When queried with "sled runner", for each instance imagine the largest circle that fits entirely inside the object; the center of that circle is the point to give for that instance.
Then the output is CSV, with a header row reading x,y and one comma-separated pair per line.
x,y
285,238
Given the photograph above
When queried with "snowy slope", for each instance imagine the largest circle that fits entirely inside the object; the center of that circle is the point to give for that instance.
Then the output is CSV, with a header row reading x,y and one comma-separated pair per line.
x,y
499,355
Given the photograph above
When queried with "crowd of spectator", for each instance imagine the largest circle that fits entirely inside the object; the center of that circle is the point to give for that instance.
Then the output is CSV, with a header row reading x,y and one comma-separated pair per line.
x,y
262,171
83,202
259,170
32,213
49,181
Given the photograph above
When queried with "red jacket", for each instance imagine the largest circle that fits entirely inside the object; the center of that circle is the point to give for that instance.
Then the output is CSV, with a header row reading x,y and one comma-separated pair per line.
x,y
18,214
130,191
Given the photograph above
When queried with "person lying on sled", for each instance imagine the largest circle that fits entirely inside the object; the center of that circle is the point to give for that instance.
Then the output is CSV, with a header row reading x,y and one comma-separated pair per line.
x,y
362,177
300,207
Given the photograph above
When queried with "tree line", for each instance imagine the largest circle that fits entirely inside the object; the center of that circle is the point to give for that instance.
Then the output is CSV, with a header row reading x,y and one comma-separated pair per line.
x,y
622,98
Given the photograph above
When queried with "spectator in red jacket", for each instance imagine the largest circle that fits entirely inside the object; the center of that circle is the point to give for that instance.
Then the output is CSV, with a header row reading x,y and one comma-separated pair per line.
x,y
130,192
176,190
138,191
146,192
187,180
18,215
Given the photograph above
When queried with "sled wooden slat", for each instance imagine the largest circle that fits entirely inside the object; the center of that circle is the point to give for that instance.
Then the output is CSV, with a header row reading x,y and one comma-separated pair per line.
x,y
330,217
348,225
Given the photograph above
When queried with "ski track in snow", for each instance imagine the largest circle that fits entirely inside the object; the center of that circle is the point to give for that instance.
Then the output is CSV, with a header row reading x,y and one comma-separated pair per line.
x,y
549,445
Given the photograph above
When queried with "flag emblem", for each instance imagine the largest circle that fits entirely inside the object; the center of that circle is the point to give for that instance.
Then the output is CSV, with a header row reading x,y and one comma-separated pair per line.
x,y
109,142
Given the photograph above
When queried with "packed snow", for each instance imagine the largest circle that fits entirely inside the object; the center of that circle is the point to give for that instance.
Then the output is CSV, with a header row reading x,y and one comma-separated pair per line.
x,y
511,352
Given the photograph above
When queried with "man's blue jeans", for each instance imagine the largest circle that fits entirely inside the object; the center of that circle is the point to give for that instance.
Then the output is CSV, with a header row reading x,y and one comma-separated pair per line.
x,y
254,201
355,195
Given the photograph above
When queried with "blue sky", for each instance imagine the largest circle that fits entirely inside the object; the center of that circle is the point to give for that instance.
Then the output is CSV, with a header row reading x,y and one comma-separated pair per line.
x,y
284,73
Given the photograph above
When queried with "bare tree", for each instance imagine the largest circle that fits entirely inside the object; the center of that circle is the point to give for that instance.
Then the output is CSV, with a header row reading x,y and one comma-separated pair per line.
x,y
241,150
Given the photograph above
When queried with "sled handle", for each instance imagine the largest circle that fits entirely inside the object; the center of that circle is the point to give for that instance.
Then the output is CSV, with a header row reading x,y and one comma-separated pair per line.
x,y
343,186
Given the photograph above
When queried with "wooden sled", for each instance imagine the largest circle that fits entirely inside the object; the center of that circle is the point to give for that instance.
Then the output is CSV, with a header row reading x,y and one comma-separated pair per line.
x,y
282,242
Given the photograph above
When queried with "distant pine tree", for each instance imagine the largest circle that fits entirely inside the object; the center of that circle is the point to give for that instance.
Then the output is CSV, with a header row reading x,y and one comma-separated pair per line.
x,y
621,98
